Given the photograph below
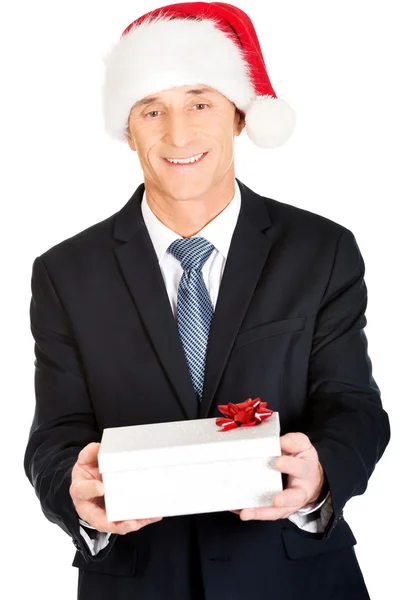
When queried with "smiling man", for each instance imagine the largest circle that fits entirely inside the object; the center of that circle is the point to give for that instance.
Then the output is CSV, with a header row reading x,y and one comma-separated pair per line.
x,y
200,292
184,138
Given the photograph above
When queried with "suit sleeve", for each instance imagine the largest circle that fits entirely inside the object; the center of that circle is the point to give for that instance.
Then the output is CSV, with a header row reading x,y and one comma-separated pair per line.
x,y
95,540
64,421
314,520
345,419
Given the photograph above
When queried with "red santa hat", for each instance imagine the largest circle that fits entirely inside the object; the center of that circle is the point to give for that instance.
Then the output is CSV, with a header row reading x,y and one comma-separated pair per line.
x,y
210,43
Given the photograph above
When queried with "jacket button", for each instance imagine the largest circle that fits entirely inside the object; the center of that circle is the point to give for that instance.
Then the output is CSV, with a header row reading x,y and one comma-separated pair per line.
x,y
77,546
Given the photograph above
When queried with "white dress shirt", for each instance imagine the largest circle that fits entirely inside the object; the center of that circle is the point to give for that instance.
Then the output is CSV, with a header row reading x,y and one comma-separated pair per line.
x,y
219,233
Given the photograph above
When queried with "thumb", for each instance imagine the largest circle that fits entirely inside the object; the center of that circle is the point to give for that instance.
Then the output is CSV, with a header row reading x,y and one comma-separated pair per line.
x,y
88,454
294,443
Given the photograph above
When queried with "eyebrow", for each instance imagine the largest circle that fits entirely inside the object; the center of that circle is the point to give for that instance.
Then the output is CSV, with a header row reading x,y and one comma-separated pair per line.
x,y
194,92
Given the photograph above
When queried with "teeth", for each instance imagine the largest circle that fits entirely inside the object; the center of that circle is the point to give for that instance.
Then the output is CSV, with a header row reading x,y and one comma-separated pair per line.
x,y
192,159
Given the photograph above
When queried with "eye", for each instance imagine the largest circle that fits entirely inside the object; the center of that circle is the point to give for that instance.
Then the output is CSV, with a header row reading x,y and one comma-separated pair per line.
x,y
152,113
201,104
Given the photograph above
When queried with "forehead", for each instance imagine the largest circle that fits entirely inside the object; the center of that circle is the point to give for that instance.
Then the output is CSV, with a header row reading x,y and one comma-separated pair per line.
x,y
186,91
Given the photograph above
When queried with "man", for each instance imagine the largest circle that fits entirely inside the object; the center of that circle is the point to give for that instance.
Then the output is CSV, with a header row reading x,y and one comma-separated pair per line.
x,y
196,293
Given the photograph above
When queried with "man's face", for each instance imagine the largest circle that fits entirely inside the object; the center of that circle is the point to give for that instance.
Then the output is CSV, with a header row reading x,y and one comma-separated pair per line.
x,y
181,123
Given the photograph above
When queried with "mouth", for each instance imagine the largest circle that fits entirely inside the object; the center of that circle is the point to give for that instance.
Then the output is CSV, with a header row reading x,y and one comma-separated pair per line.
x,y
185,163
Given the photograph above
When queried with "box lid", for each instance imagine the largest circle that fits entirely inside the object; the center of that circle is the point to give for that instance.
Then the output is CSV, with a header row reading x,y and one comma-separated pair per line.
x,y
185,442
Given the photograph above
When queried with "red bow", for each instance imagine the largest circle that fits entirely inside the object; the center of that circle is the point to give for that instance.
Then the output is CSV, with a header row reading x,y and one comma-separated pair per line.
x,y
244,414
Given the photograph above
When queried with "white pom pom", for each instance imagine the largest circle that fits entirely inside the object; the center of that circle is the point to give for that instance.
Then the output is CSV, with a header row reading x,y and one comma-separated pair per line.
x,y
269,121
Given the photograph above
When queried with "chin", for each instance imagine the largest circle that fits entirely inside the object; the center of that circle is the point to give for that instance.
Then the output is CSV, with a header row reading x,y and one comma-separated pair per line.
x,y
188,190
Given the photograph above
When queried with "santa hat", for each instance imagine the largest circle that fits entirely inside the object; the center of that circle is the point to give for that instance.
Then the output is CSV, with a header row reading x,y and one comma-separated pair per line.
x,y
210,43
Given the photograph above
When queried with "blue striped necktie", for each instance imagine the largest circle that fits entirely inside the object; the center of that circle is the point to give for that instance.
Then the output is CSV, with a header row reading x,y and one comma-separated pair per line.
x,y
194,307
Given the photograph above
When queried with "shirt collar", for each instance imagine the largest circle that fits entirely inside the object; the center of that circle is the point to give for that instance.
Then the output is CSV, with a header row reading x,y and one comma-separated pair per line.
x,y
218,232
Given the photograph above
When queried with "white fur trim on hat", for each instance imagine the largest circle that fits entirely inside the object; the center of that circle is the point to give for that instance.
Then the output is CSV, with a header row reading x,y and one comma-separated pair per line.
x,y
162,53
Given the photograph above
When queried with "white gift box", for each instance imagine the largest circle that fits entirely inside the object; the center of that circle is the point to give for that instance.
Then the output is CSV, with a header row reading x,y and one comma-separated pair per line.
x,y
188,467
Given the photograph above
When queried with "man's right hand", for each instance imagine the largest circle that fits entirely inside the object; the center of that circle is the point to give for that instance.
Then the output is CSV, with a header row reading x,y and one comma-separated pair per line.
x,y
87,493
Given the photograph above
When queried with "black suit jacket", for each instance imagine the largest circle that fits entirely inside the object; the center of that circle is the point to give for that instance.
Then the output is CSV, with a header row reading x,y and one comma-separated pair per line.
x,y
288,327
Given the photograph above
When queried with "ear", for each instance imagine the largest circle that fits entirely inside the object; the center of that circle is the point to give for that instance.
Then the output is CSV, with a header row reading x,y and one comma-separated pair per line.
x,y
240,122
128,133
130,140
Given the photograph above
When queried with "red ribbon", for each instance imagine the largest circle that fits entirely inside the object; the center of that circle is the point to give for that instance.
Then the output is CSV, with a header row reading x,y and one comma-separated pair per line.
x,y
244,414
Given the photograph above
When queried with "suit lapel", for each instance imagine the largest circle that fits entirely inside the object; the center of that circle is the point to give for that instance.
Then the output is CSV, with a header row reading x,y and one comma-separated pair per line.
x,y
140,269
247,255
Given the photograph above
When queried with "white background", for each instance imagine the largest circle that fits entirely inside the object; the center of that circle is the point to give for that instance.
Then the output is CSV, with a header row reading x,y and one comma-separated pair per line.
x,y
335,63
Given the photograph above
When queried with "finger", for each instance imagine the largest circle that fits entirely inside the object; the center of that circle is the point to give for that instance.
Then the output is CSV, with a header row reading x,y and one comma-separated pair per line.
x,y
138,521
269,513
296,442
293,465
97,518
294,498
143,522
88,455
86,489
124,527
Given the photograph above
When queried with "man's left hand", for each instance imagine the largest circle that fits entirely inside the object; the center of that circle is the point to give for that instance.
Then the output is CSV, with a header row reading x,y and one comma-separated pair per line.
x,y
305,480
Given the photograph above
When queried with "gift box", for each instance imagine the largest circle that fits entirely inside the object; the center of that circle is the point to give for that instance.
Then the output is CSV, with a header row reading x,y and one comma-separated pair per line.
x,y
188,467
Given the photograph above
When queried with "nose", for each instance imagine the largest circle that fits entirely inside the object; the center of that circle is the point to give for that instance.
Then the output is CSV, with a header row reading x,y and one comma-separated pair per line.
x,y
178,129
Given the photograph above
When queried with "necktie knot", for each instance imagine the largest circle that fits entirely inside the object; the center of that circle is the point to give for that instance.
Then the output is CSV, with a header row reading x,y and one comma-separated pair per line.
x,y
191,252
